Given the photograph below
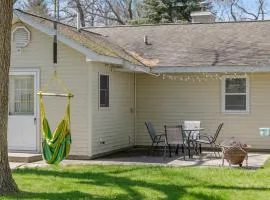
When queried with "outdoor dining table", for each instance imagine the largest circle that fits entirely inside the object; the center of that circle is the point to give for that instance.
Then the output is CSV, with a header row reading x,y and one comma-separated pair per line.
x,y
188,132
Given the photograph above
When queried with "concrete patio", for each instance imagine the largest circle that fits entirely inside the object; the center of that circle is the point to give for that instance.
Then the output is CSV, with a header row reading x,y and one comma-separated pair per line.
x,y
140,157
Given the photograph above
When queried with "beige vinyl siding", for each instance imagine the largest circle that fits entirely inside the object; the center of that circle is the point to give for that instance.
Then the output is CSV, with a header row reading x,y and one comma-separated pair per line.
x,y
72,69
113,125
172,102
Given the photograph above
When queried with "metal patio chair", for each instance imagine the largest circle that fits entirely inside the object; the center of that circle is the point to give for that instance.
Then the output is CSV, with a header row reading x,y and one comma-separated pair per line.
x,y
211,140
156,138
174,137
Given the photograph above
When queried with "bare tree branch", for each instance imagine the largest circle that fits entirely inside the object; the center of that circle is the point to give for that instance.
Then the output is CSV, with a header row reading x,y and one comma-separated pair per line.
x,y
247,12
232,13
115,12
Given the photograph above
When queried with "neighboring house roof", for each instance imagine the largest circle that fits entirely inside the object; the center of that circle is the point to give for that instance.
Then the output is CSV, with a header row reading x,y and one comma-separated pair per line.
x,y
213,44
97,44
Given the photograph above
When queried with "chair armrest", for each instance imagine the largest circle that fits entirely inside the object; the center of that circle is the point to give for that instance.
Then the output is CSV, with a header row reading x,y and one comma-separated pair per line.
x,y
158,137
161,133
208,137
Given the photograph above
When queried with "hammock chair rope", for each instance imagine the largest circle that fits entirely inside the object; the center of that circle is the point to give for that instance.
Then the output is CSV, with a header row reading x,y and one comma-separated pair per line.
x,y
58,80
56,144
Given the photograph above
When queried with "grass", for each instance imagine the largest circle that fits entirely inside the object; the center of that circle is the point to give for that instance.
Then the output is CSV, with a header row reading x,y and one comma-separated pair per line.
x,y
142,182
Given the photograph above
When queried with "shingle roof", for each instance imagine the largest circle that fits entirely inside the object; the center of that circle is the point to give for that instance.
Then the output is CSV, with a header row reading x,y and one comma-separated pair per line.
x,y
215,44
93,41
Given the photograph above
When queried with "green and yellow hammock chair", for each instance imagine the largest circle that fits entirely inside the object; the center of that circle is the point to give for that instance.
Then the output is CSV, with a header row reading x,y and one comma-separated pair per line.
x,y
56,144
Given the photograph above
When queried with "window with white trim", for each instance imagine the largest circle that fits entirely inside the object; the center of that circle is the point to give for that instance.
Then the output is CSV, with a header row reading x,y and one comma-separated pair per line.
x,y
235,94
103,90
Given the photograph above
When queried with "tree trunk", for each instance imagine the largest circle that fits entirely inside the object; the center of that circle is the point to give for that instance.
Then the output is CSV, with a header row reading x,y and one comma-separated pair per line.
x,y
81,12
130,10
7,184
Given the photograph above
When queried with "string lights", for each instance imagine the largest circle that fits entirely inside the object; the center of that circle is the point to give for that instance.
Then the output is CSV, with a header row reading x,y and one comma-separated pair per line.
x,y
201,77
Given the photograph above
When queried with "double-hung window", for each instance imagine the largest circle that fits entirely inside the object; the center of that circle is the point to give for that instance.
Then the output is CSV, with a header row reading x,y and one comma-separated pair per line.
x,y
235,95
103,90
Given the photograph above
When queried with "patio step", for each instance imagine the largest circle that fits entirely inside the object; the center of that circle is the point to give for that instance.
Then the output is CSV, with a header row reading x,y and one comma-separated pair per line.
x,y
24,157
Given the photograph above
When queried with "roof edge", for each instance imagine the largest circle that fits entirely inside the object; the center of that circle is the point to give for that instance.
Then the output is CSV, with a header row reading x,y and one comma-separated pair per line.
x,y
177,24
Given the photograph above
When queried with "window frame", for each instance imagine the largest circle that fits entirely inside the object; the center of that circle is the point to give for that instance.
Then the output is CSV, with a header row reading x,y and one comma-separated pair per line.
x,y
99,105
223,95
13,100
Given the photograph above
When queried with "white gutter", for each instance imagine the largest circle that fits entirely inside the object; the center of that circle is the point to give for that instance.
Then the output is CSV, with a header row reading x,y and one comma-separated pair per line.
x,y
136,68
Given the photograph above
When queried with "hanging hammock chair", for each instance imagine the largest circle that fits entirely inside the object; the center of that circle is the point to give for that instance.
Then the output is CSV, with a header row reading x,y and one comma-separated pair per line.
x,y
56,144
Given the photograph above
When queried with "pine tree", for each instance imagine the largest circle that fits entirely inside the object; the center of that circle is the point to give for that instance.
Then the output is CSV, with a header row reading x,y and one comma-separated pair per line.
x,y
160,11
38,7
156,11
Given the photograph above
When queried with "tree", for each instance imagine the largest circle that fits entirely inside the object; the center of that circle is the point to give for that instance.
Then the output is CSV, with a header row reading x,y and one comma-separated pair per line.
x,y
169,11
38,7
7,184
156,11
99,12
237,10
80,12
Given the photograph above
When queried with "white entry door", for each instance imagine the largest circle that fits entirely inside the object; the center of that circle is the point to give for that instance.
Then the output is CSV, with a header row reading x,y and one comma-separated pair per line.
x,y
22,120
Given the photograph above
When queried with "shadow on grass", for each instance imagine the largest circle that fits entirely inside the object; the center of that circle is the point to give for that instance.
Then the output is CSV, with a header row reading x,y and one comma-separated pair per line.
x,y
65,196
222,187
131,186
50,196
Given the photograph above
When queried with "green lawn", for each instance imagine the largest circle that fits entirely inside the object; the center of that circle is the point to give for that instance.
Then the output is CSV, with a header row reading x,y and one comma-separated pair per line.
x,y
142,182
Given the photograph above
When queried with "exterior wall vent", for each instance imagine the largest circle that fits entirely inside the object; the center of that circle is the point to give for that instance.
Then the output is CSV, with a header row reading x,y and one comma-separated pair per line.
x,y
20,37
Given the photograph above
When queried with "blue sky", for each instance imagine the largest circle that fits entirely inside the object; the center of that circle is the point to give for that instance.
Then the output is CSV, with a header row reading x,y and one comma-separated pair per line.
x,y
250,5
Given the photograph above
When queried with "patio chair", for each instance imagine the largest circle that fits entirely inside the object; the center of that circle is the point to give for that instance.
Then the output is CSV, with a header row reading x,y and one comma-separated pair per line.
x,y
211,140
155,137
174,137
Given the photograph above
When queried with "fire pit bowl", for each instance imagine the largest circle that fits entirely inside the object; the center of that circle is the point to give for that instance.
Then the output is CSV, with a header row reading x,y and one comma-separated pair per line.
x,y
235,153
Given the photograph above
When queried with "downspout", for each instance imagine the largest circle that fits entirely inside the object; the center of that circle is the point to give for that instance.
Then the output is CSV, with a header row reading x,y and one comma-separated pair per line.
x,y
135,109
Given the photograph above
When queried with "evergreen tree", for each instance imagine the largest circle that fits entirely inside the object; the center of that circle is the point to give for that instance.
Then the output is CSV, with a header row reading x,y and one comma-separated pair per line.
x,y
160,11
156,11
38,7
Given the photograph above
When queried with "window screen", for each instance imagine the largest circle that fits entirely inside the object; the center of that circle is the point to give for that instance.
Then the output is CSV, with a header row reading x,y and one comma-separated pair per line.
x,y
235,94
104,91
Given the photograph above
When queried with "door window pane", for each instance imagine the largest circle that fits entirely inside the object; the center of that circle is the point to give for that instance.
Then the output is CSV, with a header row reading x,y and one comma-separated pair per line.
x,y
21,95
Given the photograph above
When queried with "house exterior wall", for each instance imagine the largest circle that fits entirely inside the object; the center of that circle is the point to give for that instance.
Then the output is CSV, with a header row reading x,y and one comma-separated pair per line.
x,y
113,126
171,102
72,69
